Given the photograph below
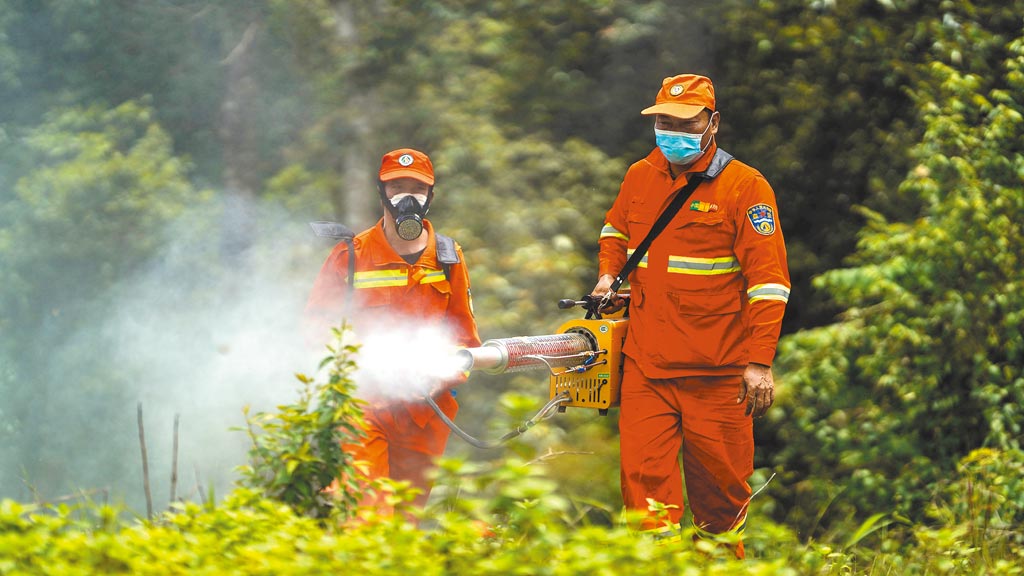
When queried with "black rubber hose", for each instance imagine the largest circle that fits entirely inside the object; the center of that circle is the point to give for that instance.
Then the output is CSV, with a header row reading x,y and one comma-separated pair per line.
x,y
540,415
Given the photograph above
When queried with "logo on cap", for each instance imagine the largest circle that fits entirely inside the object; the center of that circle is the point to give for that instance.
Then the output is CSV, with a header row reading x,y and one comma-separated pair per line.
x,y
405,159
676,90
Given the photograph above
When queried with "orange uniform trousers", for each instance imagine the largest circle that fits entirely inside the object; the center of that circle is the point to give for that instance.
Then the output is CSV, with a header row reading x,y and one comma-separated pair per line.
x,y
699,416
401,442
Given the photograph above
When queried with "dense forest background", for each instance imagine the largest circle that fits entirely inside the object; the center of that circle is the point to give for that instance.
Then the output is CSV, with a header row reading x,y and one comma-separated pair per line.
x,y
160,161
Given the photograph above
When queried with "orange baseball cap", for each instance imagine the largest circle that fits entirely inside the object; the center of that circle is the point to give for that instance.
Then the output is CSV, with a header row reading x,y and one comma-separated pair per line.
x,y
683,96
406,163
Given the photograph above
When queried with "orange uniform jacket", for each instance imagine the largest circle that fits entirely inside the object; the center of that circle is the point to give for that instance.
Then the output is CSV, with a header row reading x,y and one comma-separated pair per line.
x,y
386,286
709,296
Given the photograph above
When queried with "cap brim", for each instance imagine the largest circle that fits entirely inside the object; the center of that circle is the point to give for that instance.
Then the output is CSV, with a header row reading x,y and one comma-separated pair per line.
x,y
396,174
684,111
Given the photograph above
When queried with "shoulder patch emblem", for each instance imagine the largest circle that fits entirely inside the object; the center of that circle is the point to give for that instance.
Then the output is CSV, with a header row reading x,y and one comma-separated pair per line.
x,y
762,218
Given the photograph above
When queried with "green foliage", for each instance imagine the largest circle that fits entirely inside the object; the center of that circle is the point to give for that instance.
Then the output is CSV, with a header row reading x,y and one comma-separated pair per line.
x,y
247,534
298,452
986,497
926,365
103,185
101,177
515,188
538,200
507,518
8,56
973,526
531,111
494,520
102,53
817,95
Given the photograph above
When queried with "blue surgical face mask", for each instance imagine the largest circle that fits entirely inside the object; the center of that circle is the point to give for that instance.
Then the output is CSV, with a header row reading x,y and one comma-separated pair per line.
x,y
681,147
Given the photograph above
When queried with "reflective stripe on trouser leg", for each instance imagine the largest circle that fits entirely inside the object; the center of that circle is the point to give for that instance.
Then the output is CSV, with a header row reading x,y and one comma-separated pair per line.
x,y
650,438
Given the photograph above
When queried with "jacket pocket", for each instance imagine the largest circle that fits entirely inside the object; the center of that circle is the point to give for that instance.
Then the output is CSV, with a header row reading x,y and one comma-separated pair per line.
x,y
701,219
373,297
702,230
443,287
441,293
710,327
430,300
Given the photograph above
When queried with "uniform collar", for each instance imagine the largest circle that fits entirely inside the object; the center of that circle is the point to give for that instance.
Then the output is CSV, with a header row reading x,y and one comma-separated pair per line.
x,y
382,253
658,160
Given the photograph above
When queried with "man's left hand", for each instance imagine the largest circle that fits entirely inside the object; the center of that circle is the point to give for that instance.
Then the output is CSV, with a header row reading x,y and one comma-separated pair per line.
x,y
758,389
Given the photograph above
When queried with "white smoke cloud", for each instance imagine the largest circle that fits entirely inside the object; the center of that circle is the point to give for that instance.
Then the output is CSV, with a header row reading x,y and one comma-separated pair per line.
x,y
405,362
199,333
204,345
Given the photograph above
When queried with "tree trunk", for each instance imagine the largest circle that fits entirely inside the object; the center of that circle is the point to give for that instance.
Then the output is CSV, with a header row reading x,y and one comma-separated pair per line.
x,y
355,201
238,142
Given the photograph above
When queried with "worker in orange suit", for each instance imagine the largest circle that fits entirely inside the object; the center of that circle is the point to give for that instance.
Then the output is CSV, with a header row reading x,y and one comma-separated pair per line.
x,y
406,277
706,307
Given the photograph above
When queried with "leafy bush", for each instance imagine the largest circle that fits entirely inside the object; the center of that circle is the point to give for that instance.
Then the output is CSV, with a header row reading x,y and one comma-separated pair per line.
x,y
925,365
499,520
987,498
297,453
489,519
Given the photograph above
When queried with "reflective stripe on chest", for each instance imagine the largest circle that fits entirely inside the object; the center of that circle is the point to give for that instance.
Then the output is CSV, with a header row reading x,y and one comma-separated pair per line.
x,y
703,266
391,278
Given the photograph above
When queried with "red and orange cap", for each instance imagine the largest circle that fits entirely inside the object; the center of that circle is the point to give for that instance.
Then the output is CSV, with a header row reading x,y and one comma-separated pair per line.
x,y
683,96
406,163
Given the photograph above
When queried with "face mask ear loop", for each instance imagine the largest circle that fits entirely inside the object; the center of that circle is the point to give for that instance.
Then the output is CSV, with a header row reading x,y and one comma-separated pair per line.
x,y
384,202
706,128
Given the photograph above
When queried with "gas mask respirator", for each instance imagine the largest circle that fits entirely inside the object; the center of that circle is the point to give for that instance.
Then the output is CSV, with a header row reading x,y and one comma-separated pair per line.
x,y
408,211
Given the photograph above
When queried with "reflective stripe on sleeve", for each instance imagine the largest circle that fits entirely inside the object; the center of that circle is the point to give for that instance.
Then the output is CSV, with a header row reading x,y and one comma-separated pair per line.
x,y
610,231
778,292
703,266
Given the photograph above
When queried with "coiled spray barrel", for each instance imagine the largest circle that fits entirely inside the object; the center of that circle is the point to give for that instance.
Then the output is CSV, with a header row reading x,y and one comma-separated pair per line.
x,y
583,360
529,353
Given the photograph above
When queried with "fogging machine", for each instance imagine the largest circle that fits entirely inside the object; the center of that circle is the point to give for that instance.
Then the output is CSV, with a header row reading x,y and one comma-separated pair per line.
x,y
583,358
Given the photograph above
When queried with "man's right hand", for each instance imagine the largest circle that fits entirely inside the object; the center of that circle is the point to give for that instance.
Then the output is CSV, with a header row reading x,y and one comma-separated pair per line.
x,y
603,290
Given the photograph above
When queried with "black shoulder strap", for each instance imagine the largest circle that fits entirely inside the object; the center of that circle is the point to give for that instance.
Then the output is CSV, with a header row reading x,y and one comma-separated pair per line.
x,y
338,231
351,266
446,253
718,163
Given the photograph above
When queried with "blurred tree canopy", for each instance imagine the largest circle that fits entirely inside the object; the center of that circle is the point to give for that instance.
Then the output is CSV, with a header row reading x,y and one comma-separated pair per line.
x,y
889,129
926,363
105,182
